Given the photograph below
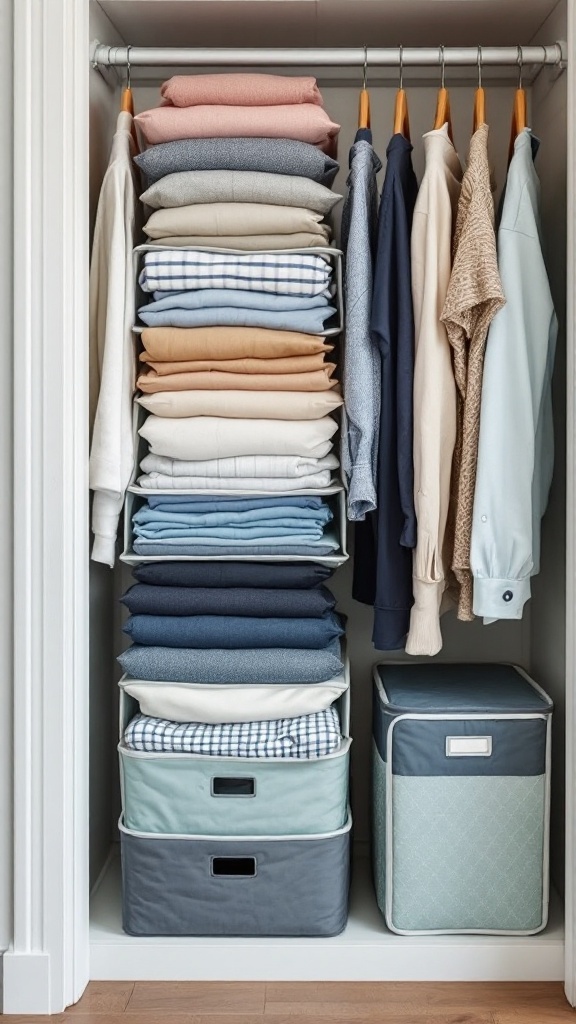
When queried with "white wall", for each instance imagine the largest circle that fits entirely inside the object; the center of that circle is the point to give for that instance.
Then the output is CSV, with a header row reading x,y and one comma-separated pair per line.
x,y
6,342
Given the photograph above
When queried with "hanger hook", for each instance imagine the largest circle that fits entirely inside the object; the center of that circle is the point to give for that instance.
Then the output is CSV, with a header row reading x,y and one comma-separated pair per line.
x,y
479,62
443,66
400,50
520,65
128,75
365,68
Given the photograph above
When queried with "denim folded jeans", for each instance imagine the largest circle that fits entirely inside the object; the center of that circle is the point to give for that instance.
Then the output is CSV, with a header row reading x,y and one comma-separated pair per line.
x,y
261,665
231,631
233,574
146,599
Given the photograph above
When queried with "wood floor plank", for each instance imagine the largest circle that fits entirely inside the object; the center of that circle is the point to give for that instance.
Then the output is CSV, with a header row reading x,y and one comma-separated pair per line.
x,y
16,1018
379,1015
198,997
159,1017
536,1015
508,995
278,994
104,997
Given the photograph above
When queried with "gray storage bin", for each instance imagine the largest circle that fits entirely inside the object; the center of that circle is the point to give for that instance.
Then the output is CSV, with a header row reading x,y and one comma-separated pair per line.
x,y
461,798
202,885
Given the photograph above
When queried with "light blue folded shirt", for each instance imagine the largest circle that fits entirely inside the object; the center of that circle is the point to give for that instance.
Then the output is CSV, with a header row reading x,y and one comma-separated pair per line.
x,y
516,446
212,307
200,503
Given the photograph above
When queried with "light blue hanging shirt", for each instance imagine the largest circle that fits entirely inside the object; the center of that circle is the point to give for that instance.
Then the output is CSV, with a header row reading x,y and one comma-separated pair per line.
x,y
516,448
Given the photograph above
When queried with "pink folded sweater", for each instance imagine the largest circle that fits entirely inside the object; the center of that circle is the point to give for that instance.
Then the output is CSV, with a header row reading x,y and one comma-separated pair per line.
x,y
305,122
239,90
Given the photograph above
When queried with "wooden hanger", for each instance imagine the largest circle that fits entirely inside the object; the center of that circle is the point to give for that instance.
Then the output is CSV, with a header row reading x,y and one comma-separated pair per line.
x,y
127,99
401,119
479,97
443,114
364,105
519,114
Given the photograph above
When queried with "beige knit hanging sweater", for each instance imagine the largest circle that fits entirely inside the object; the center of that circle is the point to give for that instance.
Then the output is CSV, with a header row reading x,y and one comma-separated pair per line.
x,y
473,298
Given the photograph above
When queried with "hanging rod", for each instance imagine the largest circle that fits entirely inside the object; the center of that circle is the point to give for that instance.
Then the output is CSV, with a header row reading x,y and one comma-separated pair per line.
x,y
143,56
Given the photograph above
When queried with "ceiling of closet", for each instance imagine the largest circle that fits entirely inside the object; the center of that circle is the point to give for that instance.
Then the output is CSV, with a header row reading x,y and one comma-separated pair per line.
x,y
326,22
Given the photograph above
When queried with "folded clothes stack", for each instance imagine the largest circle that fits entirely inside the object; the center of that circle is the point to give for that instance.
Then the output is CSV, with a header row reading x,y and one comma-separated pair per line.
x,y
254,650
235,683
170,525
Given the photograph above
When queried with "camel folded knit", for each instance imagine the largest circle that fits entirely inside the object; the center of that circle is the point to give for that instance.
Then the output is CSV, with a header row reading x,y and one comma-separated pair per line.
x,y
171,344
315,380
284,364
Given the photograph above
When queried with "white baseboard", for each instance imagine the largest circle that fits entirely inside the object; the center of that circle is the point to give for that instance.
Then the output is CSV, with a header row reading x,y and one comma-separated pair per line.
x,y
26,983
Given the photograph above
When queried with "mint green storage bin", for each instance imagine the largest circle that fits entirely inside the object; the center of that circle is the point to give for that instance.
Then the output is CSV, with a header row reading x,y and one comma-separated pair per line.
x,y
460,799
187,794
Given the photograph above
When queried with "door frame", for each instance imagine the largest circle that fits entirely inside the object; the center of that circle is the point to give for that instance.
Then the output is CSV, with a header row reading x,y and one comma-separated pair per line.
x,y
47,965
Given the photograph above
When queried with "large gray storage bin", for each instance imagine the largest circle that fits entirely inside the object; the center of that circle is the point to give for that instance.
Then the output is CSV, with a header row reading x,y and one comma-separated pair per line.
x,y
461,798
202,885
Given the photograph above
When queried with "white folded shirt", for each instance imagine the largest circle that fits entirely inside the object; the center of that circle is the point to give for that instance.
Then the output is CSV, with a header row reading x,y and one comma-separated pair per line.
x,y
255,466
214,704
217,437
243,484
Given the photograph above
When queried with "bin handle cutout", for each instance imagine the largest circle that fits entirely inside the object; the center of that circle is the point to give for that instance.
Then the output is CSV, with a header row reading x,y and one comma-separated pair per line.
x,y
233,867
468,746
237,786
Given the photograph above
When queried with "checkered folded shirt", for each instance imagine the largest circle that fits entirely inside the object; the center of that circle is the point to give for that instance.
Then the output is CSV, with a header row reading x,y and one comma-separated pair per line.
x,y
307,736
279,274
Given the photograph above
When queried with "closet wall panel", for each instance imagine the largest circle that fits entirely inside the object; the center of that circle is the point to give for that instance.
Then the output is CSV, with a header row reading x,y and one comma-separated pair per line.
x,y
104,106
6,336
548,644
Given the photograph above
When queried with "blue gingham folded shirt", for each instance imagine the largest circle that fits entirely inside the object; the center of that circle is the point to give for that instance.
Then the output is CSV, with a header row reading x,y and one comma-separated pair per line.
x,y
179,270
305,737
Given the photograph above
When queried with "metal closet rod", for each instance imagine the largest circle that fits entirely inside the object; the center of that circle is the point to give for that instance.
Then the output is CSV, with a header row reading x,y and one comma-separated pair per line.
x,y
144,56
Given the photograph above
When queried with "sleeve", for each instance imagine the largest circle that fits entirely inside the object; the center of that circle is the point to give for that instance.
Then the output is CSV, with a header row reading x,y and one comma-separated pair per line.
x,y
434,427
112,357
510,454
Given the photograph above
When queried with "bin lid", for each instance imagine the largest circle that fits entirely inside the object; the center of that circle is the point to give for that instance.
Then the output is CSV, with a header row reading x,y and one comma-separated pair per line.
x,y
490,688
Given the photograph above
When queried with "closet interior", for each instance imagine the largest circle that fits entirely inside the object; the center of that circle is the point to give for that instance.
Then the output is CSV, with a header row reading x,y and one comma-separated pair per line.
x,y
365,950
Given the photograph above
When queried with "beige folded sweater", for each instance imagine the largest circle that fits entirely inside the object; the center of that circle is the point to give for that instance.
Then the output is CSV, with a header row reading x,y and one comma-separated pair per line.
x,y
274,405
234,219
286,364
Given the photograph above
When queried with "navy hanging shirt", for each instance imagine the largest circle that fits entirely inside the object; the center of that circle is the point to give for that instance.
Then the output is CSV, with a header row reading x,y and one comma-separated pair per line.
x,y
384,542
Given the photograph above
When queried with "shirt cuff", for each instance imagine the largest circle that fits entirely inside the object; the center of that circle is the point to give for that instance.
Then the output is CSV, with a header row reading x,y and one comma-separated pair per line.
x,y
500,599
104,550
361,493
105,516
425,637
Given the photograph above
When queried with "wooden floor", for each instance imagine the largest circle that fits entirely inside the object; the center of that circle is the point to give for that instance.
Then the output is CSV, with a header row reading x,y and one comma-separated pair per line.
x,y
319,1002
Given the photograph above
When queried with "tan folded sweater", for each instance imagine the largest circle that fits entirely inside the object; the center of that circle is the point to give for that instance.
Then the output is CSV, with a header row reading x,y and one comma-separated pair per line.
x,y
287,364
234,219
171,344
248,243
316,380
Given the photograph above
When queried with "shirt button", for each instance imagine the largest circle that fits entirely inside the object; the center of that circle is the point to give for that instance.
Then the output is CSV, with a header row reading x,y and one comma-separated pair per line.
x,y
484,518
507,595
